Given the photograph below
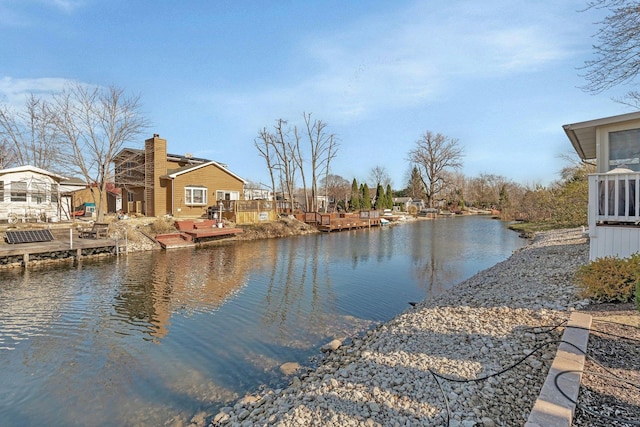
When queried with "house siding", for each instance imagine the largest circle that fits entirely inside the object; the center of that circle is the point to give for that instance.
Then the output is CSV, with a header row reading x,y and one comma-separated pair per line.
x,y
617,241
213,178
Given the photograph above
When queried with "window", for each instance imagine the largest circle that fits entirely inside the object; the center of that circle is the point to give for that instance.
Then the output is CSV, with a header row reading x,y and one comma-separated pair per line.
x,y
624,149
1,191
18,191
38,197
195,195
227,195
38,192
54,193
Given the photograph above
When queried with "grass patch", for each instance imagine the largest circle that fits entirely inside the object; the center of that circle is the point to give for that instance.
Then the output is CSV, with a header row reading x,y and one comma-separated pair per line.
x,y
528,229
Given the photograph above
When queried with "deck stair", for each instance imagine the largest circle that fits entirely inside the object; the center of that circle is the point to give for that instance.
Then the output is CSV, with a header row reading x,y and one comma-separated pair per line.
x,y
192,232
175,240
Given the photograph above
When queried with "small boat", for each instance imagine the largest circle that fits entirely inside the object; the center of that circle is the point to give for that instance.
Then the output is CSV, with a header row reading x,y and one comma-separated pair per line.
x,y
384,221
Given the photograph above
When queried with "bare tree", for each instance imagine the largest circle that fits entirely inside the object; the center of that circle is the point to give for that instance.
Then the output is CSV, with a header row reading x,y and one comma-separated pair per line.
x,y
338,189
617,51
433,155
95,123
323,148
285,154
29,137
453,190
6,155
379,176
296,152
264,144
286,164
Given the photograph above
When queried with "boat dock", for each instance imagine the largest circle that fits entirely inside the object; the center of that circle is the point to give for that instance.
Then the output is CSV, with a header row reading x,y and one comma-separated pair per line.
x,y
343,221
64,244
190,233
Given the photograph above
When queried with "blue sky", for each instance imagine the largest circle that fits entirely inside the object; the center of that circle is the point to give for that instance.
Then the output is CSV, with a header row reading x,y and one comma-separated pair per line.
x,y
501,76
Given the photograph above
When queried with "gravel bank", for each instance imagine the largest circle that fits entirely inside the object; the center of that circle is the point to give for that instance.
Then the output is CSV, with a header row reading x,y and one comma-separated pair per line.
x,y
447,361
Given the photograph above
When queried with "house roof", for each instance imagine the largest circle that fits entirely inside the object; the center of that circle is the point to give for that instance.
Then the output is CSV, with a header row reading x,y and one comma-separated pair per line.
x,y
583,134
173,173
74,181
29,168
180,158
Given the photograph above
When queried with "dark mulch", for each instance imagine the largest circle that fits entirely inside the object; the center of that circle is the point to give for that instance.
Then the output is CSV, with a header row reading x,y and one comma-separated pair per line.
x,y
610,389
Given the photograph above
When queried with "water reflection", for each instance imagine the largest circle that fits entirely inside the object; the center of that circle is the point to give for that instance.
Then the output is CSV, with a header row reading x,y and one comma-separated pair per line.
x,y
431,257
183,281
298,291
155,337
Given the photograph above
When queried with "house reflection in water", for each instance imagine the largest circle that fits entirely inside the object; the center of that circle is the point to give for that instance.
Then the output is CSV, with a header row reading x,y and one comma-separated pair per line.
x,y
185,281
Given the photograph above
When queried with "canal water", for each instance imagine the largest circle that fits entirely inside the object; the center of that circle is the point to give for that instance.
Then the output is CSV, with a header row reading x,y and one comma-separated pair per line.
x,y
153,338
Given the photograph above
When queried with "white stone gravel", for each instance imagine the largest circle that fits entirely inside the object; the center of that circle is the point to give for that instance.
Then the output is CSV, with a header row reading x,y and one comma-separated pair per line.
x,y
440,363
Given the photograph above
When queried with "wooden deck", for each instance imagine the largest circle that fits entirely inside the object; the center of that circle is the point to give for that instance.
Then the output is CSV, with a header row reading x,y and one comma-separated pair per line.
x,y
65,246
191,233
201,235
342,222
175,240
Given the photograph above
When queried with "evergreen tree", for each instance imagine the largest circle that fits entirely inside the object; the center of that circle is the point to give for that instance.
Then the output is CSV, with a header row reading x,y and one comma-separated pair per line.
x,y
366,197
389,197
381,201
503,201
354,201
415,187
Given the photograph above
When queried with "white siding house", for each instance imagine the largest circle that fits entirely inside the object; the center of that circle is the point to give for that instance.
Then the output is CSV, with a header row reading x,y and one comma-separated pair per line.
x,y
614,204
28,193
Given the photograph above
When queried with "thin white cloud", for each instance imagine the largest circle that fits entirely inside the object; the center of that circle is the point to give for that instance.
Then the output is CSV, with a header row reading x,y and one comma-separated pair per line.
x,y
13,91
66,6
27,13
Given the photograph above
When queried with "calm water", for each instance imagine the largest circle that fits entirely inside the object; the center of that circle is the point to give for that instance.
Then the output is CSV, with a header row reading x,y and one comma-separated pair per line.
x,y
154,338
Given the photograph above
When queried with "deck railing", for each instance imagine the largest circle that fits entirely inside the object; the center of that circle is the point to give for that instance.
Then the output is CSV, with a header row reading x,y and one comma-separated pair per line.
x,y
614,198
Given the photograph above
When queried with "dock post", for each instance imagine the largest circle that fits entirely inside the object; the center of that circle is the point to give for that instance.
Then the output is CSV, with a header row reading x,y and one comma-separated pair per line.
x,y
25,260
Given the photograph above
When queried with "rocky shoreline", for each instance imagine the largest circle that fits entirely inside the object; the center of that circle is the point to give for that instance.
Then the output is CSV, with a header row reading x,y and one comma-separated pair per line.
x,y
475,356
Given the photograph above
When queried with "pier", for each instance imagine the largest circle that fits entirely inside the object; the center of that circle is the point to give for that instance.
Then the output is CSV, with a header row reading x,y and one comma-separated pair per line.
x,y
66,245
192,232
343,221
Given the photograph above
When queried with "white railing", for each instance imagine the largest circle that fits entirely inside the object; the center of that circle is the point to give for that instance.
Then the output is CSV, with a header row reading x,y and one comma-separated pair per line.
x,y
614,198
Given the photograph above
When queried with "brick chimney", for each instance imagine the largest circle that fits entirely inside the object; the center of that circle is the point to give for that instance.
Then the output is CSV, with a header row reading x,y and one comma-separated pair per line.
x,y
155,166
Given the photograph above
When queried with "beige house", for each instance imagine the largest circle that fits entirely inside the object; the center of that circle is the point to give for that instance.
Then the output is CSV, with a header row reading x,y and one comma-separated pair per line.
x,y
156,183
614,199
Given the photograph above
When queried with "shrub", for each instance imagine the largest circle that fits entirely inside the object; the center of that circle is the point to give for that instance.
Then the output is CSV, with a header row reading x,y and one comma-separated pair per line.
x,y
161,225
610,279
638,295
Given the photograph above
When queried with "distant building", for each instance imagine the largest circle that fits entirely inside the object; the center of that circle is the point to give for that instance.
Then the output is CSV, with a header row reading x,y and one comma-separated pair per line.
x,y
257,192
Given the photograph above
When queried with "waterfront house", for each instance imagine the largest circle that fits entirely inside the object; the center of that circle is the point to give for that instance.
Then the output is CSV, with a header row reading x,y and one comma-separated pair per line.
x,y
83,198
28,193
155,183
614,215
402,203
